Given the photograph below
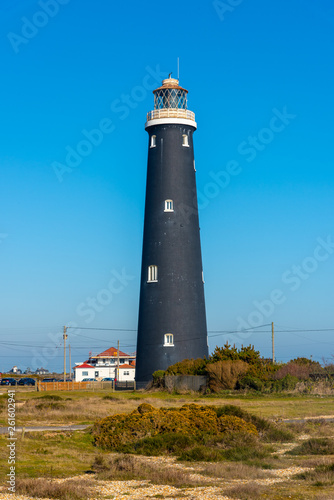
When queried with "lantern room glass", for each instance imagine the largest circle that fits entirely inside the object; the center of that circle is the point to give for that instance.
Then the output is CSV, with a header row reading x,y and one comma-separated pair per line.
x,y
170,98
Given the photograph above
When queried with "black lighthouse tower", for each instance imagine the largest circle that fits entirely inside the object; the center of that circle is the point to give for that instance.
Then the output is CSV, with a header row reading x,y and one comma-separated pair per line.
x,y
172,319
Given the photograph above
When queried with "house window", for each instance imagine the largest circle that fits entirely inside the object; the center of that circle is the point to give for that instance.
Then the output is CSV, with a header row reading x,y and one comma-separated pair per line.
x,y
85,374
126,373
168,339
153,141
169,206
152,273
96,374
185,141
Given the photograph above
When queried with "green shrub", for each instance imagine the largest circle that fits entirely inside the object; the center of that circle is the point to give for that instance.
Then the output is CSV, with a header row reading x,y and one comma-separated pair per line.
x,y
314,446
188,367
229,353
146,421
160,444
244,453
154,431
53,397
159,378
250,382
230,423
260,423
278,435
286,383
113,398
49,405
201,454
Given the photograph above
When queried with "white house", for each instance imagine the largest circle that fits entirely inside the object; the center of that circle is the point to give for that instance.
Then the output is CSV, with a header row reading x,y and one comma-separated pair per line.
x,y
41,371
126,372
83,371
15,369
104,365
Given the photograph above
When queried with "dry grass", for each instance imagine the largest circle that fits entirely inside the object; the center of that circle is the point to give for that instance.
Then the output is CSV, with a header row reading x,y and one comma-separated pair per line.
x,y
246,491
37,411
53,454
315,461
88,406
232,471
73,489
320,427
127,467
321,475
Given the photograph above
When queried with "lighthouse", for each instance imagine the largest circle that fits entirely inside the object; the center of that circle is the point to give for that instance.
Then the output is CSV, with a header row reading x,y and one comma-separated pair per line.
x,y
172,318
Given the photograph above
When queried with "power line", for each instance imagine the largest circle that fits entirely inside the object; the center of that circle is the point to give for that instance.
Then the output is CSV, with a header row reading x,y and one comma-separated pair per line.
x,y
106,329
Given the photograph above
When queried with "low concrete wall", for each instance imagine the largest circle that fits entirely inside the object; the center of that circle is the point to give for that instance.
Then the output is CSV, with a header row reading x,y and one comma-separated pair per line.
x,y
185,382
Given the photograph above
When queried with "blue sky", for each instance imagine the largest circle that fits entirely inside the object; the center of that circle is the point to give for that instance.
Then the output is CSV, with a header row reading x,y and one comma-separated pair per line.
x,y
76,85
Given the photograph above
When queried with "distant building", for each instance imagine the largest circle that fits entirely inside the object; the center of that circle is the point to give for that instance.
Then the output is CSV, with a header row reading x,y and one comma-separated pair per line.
x,y
104,365
15,369
41,371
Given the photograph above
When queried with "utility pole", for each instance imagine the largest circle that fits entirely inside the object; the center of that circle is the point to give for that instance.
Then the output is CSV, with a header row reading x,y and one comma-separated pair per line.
x,y
117,374
69,355
273,341
65,337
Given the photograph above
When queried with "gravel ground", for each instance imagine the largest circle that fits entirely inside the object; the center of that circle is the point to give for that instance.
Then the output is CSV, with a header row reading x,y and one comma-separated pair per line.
x,y
140,490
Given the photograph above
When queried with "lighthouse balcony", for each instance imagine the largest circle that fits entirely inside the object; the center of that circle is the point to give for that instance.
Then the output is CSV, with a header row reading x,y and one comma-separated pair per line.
x,y
157,114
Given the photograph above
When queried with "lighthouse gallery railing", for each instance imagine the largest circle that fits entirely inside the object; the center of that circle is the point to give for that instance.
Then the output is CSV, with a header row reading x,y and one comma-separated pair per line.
x,y
170,113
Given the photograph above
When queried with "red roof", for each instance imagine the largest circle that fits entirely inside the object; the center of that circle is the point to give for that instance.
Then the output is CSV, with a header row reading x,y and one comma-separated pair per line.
x,y
127,366
110,353
84,365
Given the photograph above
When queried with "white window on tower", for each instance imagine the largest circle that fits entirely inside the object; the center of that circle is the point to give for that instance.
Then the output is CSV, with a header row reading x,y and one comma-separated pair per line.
x,y
152,274
169,339
185,141
153,141
169,206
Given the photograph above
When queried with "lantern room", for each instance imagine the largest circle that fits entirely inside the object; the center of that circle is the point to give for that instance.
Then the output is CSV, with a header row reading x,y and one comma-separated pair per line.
x,y
170,101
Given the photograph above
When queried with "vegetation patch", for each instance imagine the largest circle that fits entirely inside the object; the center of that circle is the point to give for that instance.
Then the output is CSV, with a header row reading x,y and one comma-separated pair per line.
x,y
246,491
74,489
314,446
52,397
230,369
51,454
112,398
322,475
49,405
232,471
146,421
192,433
127,467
